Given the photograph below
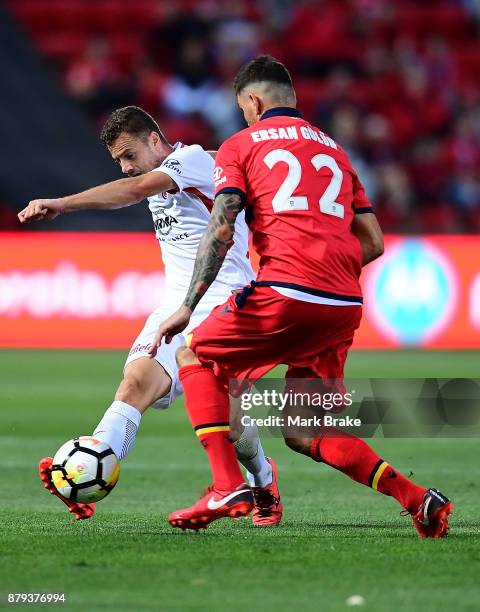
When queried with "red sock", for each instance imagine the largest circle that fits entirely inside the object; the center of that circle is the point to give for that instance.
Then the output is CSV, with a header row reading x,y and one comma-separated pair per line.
x,y
356,459
208,408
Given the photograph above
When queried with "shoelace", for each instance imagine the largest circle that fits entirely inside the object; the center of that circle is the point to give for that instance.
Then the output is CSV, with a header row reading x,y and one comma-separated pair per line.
x,y
207,490
405,512
264,500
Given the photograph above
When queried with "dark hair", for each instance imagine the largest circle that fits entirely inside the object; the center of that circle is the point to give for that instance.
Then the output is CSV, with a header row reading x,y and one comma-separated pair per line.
x,y
132,120
262,68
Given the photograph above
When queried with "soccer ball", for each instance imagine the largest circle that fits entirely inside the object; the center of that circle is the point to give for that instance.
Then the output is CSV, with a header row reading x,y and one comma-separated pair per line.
x,y
85,470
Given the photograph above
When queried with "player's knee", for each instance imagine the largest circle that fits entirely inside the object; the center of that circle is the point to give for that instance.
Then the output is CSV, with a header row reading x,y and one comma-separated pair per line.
x,y
299,445
185,357
131,391
236,429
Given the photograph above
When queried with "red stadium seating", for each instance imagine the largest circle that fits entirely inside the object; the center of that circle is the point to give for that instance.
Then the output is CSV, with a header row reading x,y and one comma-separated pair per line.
x,y
394,75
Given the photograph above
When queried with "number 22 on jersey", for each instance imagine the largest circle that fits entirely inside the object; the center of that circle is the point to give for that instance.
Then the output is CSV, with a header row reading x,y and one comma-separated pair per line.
x,y
284,200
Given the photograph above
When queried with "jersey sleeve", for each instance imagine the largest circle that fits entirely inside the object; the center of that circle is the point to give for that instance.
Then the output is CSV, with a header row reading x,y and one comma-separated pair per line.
x,y
229,174
361,204
190,167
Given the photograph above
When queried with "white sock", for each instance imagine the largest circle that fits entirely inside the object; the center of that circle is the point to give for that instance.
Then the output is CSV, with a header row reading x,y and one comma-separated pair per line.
x,y
118,427
250,454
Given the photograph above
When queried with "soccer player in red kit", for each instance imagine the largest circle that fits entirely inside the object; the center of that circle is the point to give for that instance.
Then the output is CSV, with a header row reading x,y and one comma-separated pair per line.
x,y
314,229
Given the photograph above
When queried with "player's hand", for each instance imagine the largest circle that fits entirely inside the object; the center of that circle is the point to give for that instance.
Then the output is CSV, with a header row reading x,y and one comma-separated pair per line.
x,y
169,328
39,210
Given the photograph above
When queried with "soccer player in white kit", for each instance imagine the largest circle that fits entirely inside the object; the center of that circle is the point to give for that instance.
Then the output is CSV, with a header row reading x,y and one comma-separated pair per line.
x,y
179,184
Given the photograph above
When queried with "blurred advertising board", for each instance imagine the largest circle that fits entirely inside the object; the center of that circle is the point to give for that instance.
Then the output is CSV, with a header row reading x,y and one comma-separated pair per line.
x,y
69,290
424,291
95,290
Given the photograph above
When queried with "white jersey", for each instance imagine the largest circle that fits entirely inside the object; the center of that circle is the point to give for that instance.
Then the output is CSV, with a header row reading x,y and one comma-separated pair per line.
x,y
181,218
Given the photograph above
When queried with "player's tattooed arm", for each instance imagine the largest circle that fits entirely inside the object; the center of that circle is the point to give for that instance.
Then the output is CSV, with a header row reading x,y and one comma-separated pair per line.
x,y
213,248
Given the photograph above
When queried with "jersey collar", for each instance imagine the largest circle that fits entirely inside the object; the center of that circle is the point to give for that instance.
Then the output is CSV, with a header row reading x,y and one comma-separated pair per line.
x,y
281,111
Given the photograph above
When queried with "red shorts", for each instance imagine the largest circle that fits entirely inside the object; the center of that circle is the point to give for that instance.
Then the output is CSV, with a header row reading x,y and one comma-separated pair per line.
x,y
245,338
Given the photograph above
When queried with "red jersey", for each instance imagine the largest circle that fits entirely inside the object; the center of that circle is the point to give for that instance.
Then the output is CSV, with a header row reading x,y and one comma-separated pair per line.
x,y
301,194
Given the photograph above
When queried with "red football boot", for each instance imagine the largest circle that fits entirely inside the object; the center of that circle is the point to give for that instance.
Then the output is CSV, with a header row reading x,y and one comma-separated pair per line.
x,y
81,511
268,506
431,519
212,506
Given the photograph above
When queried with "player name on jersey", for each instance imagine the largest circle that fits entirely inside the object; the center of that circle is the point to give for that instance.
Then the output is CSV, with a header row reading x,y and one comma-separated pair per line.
x,y
301,194
291,133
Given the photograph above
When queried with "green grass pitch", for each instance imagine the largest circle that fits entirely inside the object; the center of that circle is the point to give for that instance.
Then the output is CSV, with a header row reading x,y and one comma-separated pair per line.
x,y
337,539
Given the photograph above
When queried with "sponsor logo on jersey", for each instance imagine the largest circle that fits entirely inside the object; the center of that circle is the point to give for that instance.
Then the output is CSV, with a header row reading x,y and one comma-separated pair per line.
x,y
163,223
173,164
137,348
173,238
217,173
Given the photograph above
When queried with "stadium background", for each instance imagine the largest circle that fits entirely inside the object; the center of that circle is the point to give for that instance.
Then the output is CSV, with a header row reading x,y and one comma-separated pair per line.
x,y
397,84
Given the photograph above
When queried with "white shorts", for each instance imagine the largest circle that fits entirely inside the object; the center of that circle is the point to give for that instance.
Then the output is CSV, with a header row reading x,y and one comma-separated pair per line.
x,y
166,352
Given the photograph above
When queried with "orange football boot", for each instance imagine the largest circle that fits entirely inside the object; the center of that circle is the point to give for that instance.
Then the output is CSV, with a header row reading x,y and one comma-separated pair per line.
x,y
81,511
212,506
268,506
431,519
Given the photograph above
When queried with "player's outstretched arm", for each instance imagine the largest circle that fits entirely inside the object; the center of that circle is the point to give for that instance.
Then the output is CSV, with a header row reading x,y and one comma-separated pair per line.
x,y
370,235
212,250
109,196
